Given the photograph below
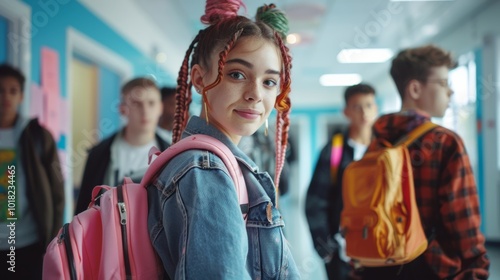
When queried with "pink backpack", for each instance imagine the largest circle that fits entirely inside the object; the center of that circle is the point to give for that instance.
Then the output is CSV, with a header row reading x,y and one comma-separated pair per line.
x,y
111,241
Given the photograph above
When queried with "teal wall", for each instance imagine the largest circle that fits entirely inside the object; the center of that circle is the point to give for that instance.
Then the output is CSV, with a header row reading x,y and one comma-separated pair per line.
x,y
49,25
312,116
109,89
3,39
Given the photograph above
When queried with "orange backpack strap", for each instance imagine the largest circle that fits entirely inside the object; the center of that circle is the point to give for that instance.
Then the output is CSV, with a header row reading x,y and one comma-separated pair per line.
x,y
336,155
415,133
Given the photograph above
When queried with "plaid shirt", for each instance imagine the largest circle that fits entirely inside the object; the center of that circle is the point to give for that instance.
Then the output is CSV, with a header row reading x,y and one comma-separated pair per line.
x,y
446,196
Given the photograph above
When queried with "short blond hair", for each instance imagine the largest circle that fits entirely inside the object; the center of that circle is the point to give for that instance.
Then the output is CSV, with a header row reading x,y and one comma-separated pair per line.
x,y
137,82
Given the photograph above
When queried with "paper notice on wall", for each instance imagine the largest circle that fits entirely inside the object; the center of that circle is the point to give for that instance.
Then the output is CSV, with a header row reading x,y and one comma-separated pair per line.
x,y
50,79
50,71
37,104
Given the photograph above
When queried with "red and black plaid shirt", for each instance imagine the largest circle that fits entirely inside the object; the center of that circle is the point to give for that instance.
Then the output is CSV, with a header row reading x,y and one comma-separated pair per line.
x,y
446,196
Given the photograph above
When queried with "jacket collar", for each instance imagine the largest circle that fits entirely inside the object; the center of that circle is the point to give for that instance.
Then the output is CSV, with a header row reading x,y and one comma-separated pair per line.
x,y
392,127
196,125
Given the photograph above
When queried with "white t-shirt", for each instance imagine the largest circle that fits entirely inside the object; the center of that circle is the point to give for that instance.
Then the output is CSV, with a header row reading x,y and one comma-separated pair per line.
x,y
127,161
359,149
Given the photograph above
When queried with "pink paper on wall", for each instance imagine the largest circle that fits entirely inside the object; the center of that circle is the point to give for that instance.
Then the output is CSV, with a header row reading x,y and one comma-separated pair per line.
x,y
50,85
37,105
50,71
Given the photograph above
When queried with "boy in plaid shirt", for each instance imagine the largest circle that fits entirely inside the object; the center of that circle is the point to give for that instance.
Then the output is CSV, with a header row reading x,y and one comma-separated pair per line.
x,y
444,184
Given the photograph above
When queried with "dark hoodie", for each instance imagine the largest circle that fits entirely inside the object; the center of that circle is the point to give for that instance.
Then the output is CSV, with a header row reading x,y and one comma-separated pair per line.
x,y
446,197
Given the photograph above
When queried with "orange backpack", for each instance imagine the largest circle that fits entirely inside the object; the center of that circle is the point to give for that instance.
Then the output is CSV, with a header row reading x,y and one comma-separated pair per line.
x,y
380,219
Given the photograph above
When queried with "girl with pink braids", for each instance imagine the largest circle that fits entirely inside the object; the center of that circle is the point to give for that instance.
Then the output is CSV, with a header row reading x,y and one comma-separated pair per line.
x,y
241,68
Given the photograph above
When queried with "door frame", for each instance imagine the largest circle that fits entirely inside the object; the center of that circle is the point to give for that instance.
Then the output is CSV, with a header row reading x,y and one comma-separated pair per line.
x,y
79,43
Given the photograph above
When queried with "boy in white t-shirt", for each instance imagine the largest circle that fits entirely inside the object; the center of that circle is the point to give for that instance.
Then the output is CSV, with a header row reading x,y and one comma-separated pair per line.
x,y
125,153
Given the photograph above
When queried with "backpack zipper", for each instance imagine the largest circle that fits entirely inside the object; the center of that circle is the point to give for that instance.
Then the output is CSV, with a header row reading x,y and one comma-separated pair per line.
x,y
65,237
122,210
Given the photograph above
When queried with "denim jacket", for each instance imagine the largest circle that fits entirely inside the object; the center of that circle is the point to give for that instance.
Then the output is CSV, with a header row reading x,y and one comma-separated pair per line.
x,y
195,222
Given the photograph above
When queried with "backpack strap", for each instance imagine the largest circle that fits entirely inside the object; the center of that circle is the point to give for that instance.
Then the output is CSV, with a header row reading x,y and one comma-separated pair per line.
x,y
336,155
415,133
200,142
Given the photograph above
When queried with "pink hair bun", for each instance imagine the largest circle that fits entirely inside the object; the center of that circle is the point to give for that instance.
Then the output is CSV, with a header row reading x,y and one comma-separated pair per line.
x,y
216,10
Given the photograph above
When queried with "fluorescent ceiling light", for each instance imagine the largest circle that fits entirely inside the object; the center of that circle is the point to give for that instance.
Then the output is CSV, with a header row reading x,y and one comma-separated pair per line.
x,y
430,30
332,80
364,55
293,38
161,57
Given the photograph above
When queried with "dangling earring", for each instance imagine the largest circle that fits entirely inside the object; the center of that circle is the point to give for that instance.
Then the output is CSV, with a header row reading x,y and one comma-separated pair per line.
x,y
266,127
206,111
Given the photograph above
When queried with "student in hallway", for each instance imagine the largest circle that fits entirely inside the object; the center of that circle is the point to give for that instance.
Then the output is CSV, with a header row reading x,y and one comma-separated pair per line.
x,y
30,173
241,68
445,188
125,153
324,196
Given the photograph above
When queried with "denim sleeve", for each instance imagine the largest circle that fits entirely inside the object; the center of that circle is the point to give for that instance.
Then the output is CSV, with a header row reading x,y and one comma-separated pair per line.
x,y
212,242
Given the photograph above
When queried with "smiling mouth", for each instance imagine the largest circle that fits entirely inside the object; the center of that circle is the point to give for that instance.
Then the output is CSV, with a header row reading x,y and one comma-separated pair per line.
x,y
250,115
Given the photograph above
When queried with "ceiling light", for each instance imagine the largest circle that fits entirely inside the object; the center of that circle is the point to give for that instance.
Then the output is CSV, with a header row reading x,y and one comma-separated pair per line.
x,y
161,57
364,55
430,30
332,80
293,39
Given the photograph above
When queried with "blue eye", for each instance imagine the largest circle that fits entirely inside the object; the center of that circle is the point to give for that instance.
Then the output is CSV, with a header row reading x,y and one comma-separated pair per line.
x,y
236,75
270,83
